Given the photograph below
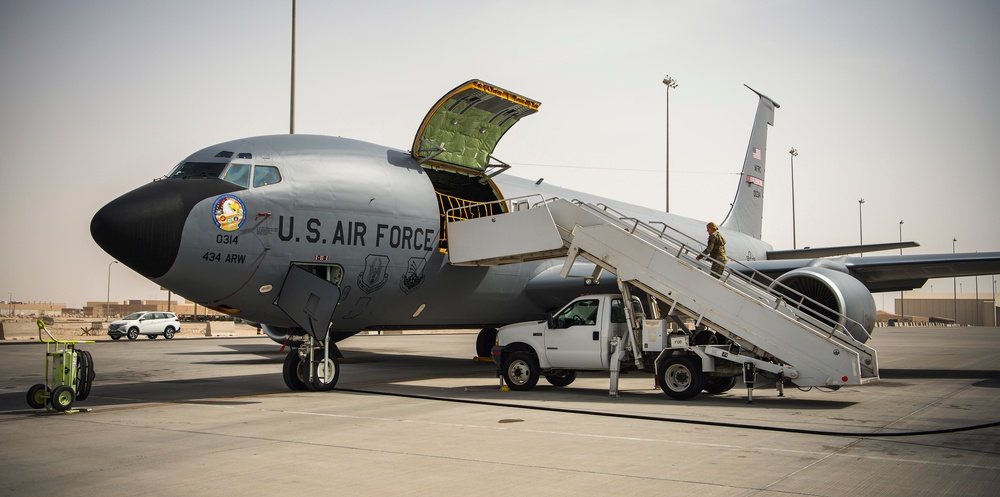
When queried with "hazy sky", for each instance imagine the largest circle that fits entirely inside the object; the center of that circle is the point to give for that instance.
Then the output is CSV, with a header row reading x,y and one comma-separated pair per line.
x,y
896,102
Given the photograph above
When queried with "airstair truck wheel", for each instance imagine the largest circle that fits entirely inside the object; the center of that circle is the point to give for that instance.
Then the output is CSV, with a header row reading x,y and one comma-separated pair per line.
x,y
681,377
719,384
520,371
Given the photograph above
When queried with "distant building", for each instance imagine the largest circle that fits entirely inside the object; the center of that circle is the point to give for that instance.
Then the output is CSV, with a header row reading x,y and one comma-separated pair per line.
x,y
16,309
187,310
966,310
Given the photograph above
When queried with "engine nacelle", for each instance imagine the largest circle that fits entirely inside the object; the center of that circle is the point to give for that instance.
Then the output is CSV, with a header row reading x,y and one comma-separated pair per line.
x,y
836,289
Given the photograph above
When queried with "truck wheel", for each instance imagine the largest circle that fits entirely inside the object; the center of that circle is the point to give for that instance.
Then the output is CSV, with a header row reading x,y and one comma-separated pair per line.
x,y
681,377
485,341
561,378
520,371
719,384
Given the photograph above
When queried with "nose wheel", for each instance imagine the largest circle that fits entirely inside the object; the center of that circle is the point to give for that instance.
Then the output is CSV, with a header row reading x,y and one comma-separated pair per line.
x,y
313,366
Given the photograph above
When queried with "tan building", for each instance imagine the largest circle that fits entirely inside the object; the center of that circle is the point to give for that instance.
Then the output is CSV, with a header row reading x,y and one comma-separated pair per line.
x,y
966,309
54,309
187,310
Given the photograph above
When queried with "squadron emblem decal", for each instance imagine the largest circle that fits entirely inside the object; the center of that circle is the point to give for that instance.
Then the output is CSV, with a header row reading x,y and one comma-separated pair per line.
x,y
376,273
414,275
228,212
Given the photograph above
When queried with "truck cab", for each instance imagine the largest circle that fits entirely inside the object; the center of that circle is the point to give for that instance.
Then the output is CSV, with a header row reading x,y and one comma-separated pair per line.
x,y
579,337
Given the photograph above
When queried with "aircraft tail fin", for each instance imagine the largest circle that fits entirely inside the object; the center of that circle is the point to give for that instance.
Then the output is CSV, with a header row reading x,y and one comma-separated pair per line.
x,y
747,212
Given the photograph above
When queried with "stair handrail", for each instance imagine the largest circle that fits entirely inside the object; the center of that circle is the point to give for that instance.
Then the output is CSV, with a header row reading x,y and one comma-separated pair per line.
x,y
765,285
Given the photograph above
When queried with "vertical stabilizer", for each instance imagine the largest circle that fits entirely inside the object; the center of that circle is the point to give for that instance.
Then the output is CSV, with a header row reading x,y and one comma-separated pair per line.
x,y
746,214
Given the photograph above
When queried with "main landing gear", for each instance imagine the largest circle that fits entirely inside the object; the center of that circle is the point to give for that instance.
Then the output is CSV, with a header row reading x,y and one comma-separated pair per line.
x,y
313,365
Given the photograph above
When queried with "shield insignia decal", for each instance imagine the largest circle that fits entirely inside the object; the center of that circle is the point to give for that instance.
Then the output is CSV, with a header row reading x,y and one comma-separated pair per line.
x,y
376,273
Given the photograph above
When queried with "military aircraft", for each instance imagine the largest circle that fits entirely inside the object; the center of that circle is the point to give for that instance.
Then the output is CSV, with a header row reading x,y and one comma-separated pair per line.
x,y
318,238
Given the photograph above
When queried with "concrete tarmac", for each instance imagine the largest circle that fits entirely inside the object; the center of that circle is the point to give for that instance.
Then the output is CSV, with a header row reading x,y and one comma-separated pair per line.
x,y
414,415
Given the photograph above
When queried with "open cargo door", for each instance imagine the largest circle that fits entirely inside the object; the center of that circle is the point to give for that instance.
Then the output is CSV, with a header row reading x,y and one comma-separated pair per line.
x,y
461,130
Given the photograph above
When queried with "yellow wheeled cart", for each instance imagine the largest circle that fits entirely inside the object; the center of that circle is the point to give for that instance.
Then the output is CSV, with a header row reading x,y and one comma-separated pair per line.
x,y
68,374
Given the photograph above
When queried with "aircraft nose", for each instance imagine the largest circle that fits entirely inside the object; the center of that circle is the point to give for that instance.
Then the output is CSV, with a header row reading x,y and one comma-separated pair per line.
x,y
142,229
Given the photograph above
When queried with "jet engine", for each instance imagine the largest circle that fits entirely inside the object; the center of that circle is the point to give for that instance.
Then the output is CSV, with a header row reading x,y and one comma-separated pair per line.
x,y
845,299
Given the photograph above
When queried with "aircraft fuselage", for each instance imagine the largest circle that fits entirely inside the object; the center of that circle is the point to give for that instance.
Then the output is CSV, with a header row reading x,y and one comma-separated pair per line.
x,y
363,216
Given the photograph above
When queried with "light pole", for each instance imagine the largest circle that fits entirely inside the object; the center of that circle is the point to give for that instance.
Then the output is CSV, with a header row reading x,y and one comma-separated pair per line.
x,y
670,83
902,316
793,153
954,286
861,225
107,302
291,106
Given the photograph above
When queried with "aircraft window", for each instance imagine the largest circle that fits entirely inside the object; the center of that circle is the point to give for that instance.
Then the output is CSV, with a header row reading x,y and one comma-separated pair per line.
x,y
244,155
225,154
266,175
239,174
581,312
198,170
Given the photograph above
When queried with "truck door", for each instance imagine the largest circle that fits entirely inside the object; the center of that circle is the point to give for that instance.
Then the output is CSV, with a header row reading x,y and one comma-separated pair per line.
x,y
573,339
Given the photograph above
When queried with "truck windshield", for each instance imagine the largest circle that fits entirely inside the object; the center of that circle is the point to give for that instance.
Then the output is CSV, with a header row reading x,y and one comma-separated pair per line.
x,y
579,312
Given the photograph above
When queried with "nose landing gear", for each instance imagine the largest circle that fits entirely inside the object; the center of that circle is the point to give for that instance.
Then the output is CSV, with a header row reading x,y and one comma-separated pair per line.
x,y
314,365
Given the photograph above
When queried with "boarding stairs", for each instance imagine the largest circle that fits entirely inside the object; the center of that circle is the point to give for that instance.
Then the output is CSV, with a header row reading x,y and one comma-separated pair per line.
x,y
778,329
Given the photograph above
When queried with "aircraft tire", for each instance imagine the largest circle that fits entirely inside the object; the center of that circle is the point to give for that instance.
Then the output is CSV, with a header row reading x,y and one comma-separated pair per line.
x,y
326,372
292,372
520,371
719,384
36,396
485,341
561,378
706,337
681,377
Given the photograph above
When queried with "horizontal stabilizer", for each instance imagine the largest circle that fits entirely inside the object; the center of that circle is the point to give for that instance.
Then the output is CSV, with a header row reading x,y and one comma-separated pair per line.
x,y
812,253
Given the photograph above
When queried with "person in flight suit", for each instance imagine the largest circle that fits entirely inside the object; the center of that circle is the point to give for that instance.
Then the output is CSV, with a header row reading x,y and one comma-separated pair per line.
x,y
716,250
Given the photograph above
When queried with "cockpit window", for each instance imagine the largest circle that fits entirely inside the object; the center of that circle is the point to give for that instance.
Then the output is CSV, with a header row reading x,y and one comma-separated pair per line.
x,y
239,174
265,175
198,170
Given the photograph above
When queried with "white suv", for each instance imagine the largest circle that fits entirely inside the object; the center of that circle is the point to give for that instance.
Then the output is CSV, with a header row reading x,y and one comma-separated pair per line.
x,y
150,324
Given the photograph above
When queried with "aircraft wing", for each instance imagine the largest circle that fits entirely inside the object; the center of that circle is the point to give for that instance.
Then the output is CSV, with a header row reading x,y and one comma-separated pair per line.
x,y
807,253
894,273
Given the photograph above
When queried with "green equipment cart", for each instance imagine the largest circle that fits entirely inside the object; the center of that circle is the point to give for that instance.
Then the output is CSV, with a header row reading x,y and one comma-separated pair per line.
x,y
69,372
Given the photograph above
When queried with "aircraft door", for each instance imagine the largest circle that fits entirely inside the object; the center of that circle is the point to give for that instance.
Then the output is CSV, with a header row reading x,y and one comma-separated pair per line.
x,y
571,341
310,295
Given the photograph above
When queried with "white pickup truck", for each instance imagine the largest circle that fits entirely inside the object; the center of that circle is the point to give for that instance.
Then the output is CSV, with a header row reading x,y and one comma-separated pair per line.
x,y
592,333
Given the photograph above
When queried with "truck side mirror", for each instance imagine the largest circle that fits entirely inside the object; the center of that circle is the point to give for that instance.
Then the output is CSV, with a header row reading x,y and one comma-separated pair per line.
x,y
553,323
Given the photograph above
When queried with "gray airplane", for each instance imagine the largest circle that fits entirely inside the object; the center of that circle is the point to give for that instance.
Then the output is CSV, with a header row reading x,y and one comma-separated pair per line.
x,y
317,238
